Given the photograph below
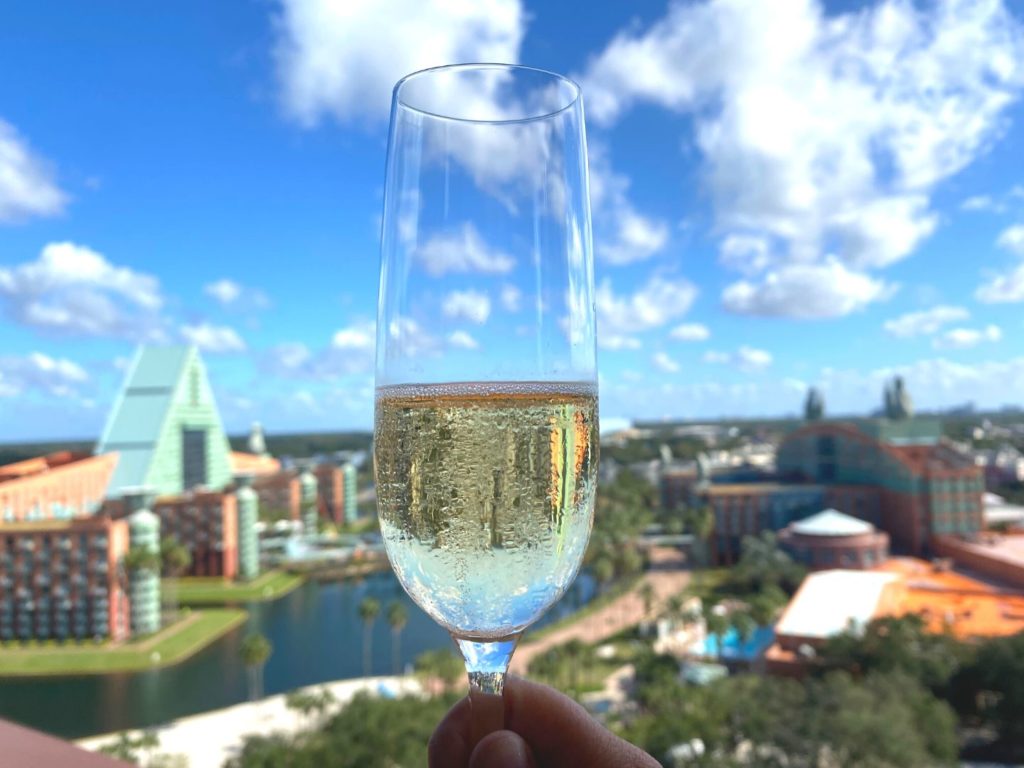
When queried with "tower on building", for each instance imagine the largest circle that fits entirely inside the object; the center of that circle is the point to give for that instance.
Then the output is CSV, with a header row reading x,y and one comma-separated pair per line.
x,y
144,581
165,426
248,540
257,442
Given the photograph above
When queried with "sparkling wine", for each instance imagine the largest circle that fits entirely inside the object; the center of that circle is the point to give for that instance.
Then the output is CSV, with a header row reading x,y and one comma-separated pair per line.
x,y
485,494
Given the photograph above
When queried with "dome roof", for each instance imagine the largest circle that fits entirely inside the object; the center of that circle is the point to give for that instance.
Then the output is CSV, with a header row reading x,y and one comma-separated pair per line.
x,y
832,523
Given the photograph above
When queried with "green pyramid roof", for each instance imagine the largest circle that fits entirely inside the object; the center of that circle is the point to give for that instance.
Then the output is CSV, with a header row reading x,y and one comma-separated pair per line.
x,y
165,394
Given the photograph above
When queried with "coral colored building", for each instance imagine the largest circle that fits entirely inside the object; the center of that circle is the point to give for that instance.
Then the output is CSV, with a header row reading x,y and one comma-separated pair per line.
x,y
63,579
57,486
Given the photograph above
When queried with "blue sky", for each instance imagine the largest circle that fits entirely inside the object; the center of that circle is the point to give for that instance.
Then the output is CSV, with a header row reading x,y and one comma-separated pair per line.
x,y
784,194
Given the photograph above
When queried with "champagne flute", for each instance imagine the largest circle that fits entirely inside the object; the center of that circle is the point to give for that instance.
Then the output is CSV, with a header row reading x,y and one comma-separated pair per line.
x,y
486,430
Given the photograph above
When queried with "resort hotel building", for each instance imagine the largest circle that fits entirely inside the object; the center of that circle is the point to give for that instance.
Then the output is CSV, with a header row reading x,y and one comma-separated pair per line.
x,y
73,524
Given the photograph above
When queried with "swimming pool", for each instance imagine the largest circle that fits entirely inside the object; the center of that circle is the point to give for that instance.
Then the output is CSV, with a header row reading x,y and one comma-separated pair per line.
x,y
733,648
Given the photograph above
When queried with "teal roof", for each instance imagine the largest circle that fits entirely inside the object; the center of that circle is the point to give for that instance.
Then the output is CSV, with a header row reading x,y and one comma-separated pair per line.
x,y
158,367
140,410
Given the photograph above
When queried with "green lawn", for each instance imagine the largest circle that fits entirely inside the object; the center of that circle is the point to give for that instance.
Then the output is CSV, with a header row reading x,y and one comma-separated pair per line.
x,y
169,646
216,591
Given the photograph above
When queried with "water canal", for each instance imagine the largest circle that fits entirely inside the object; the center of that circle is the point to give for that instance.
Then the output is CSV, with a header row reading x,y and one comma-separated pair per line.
x,y
317,636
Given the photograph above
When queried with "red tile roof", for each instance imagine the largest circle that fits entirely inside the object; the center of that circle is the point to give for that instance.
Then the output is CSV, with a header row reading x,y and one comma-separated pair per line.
x,y
21,747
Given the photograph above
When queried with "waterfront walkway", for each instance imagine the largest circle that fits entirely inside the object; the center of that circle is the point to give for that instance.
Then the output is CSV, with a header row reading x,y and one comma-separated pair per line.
x,y
667,576
210,738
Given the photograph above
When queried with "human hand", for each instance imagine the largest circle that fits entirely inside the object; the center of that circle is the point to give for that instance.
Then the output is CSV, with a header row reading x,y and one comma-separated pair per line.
x,y
544,729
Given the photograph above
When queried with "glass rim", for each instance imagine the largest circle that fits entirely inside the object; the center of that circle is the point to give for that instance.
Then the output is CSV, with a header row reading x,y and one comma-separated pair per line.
x,y
577,92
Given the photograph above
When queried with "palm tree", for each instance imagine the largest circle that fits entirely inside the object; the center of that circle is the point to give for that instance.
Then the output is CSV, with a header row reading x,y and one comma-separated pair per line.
x,y
647,595
369,609
398,617
603,569
255,650
141,559
176,559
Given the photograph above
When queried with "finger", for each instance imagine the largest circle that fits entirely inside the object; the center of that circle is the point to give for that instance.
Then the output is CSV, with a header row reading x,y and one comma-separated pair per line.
x,y
502,749
560,732
449,746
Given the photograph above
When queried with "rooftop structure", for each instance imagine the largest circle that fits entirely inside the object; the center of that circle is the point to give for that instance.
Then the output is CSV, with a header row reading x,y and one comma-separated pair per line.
x,y
165,425
831,523
830,602
253,464
832,539
989,554
31,749
56,486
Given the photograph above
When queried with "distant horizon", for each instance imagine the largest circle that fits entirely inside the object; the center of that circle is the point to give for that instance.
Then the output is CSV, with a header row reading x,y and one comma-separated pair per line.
x,y
615,424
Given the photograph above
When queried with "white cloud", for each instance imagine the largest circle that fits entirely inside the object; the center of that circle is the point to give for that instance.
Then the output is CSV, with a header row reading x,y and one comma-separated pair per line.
x,y
360,336
979,203
287,359
636,238
343,58
511,298
690,332
462,340
1008,287
748,359
462,251
27,184
822,136
213,338
41,373
407,338
663,362
73,290
350,352
925,322
617,341
470,305
745,253
657,302
965,338
229,293
622,235
225,291
1012,239
1001,289
933,383
805,291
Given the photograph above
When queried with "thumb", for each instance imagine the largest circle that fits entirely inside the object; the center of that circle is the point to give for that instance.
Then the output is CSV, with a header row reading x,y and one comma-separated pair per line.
x,y
502,749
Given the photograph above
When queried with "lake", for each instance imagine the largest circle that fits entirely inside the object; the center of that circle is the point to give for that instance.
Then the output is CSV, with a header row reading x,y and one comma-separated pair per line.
x,y
317,636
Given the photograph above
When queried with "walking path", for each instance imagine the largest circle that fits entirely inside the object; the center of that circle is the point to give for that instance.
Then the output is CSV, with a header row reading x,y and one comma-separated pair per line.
x,y
208,739
667,578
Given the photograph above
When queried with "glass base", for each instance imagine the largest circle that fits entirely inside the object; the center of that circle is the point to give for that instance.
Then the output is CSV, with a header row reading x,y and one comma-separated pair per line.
x,y
486,666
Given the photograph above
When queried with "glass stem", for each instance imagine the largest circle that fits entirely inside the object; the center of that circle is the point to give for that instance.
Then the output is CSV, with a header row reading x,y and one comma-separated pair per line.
x,y
486,665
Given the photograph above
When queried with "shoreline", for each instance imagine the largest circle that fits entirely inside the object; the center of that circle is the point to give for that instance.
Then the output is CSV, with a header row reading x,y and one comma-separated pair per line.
x,y
208,739
170,646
